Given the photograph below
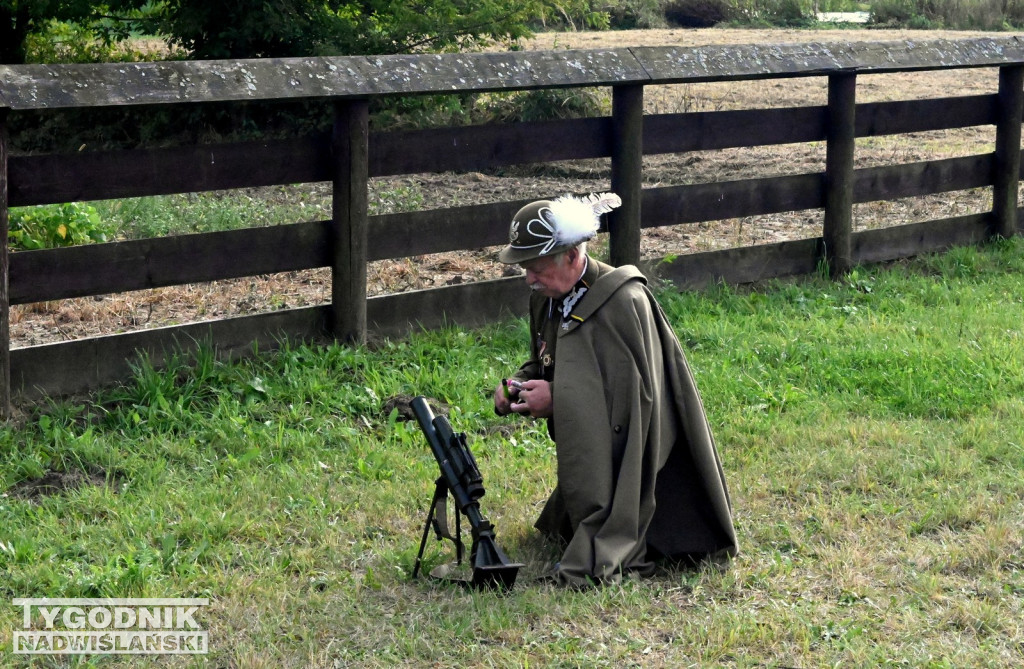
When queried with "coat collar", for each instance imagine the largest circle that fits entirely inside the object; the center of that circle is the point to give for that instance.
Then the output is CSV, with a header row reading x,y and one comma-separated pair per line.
x,y
603,280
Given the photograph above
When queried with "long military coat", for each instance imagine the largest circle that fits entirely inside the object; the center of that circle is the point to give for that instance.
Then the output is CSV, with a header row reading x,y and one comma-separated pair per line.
x,y
639,475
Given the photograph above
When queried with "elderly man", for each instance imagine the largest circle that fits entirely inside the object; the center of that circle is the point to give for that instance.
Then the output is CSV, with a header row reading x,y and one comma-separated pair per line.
x,y
638,473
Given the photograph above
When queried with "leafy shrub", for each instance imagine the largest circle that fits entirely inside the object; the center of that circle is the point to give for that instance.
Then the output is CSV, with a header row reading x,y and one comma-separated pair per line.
x,y
570,15
68,42
546,104
635,14
54,225
929,15
699,13
790,13
1014,17
896,12
421,111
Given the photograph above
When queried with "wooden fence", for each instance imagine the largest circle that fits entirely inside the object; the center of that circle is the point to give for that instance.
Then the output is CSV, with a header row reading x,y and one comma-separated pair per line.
x,y
351,155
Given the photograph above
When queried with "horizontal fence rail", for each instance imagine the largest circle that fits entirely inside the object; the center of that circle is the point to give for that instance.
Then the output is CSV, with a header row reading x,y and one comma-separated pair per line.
x,y
132,84
350,156
121,174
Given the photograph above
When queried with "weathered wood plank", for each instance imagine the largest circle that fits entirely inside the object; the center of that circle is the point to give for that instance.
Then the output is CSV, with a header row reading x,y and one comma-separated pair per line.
x,y
475,148
769,261
838,222
906,241
350,221
5,297
120,84
439,230
707,131
98,269
904,116
1007,162
347,77
71,367
739,265
466,305
761,61
151,263
732,199
121,174
624,223
110,175
695,203
912,179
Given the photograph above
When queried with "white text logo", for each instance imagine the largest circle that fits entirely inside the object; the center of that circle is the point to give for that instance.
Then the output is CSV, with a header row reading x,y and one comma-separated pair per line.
x,y
54,626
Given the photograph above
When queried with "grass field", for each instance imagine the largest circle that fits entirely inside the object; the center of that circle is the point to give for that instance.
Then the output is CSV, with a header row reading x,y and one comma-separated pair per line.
x,y
870,432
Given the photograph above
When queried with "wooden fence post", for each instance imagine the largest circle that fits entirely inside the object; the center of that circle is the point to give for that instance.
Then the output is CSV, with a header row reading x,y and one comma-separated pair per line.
x,y
840,135
5,265
627,174
350,145
1007,154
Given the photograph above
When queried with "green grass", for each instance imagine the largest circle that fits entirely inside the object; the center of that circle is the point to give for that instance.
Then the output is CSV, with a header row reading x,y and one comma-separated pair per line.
x,y
870,429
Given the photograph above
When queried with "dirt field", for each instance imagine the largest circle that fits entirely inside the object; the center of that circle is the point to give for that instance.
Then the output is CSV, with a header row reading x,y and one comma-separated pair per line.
x,y
72,319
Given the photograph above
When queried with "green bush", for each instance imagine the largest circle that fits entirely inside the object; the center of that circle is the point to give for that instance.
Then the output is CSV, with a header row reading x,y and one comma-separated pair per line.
x,y
54,225
930,15
421,111
790,13
546,104
635,14
68,42
909,13
699,13
1014,14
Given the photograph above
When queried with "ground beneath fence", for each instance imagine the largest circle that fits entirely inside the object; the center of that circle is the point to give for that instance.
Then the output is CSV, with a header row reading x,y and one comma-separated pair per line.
x,y
84,317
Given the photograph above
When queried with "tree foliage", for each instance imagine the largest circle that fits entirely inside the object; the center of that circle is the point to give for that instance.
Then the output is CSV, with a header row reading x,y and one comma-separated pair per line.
x,y
20,18
208,29
282,28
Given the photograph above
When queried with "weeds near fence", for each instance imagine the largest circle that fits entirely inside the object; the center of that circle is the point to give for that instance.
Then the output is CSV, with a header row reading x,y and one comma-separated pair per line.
x,y
870,432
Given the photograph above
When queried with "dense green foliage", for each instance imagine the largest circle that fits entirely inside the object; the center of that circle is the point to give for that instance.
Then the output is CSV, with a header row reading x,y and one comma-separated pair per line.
x,y
869,430
49,226
19,19
85,30
929,15
256,28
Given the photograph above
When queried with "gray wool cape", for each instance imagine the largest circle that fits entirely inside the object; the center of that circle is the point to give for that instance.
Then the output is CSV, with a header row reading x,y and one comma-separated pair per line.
x,y
639,476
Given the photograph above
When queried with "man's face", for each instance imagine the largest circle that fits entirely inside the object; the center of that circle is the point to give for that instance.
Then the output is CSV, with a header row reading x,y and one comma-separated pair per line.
x,y
553,276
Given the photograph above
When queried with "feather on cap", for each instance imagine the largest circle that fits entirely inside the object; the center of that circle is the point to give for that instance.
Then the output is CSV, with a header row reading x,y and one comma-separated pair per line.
x,y
578,218
548,227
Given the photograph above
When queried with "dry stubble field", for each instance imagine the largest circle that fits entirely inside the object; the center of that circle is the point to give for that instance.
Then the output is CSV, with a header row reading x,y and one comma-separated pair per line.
x,y
72,319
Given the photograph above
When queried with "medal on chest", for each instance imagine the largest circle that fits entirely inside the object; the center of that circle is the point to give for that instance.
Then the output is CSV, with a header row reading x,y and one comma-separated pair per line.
x,y
546,359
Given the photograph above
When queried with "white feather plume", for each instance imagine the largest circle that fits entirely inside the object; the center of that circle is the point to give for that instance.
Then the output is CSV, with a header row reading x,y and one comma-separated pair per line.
x,y
602,203
578,218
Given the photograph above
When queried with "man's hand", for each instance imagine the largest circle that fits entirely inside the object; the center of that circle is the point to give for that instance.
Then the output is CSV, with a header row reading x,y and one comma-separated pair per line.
x,y
534,399
504,395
